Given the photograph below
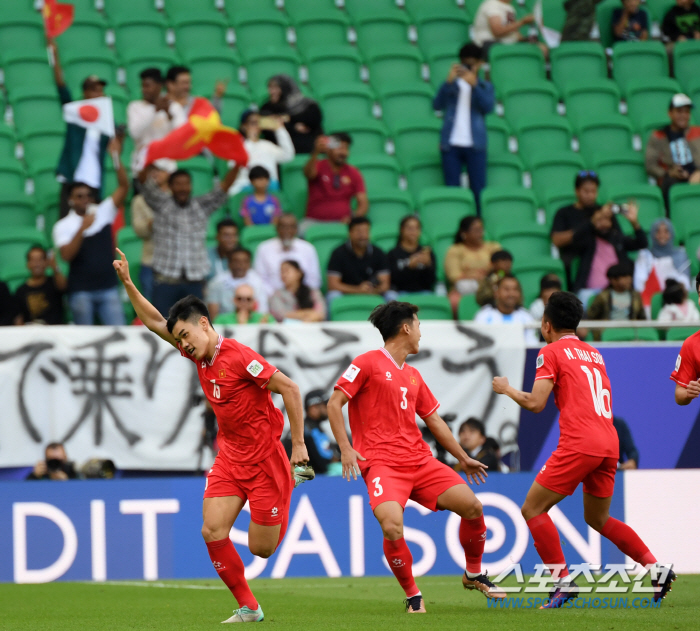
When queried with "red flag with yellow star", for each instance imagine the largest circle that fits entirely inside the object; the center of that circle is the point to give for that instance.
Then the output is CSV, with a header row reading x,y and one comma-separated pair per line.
x,y
202,129
57,17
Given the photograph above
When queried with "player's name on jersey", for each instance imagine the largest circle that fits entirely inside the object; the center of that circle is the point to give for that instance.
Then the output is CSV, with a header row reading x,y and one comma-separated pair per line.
x,y
584,355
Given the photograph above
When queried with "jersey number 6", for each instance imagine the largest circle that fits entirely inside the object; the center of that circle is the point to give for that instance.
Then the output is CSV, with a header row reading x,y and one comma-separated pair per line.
x,y
404,403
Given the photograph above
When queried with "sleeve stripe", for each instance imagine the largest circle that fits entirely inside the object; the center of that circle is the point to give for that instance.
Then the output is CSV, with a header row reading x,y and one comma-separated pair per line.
x,y
680,383
268,381
544,377
344,390
437,405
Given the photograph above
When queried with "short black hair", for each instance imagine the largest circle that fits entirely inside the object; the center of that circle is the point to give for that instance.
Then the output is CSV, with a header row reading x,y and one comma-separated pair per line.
x,y
152,73
501,255
226,222
189,308
626,268
358,221
586,176
564,311
674,293
36,246
473,423
465,225
470,49
342,136
174,71
491,443
508,277
390,317
177,173
241,250
697,283
258,172
550,281
73,185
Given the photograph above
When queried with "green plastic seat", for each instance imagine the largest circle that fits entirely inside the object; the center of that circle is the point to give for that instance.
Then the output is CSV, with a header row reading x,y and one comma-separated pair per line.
x,y
522,100
253,236
325,238
235,101
551,171
353,308
556,198
401,102
649,98
416,138
504,170
684,202
500,206
686,61
261,64
256,29
638,60
442,236
378,171
12,178
22,34
647,197
610,134
530,270
390,205
692,244
392,64
132,33
450,203
87,32
201,172
680,334
340,64
515,65
659,8
524,241
340,101
378,29
46,187
621,167
553,14
327,27
657,303
118,10
192,32
646,334
385,235
8,144
21,11
14,244
17,211
576,62
208,68
431,307
591,100
42,144
499,133
135,63
542,133
440,24
120,101
32,109
25,69
295,185
468,306
368,135
423,172
361,8
183,9
80,64
440,58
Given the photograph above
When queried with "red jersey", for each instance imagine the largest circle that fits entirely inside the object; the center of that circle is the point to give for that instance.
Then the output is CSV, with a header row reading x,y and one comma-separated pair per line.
x,y
384,401
330,193
234,382
688,361
582,394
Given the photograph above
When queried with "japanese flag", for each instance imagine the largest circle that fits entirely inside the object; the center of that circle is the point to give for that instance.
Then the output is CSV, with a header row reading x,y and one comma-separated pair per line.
x,y
91,114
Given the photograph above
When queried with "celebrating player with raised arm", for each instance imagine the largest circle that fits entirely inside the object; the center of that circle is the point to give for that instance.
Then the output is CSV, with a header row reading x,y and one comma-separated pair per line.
x,y
251,464
388,450
687,372
588,447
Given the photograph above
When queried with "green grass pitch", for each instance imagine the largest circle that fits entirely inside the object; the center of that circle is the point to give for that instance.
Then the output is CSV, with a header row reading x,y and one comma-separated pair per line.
x,y
313,605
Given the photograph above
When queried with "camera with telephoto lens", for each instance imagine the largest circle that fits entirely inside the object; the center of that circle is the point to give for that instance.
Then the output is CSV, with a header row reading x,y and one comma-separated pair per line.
x,y
620,208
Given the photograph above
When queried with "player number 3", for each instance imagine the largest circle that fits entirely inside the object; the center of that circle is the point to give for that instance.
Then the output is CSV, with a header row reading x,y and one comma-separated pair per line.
x,y
378,490
404,403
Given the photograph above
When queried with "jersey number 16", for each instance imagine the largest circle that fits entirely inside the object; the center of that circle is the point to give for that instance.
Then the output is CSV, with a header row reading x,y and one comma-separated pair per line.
x,y
602,406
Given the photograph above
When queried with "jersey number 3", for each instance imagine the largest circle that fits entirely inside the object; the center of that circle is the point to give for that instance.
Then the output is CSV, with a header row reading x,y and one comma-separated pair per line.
x,y
600,394
378,490
404,402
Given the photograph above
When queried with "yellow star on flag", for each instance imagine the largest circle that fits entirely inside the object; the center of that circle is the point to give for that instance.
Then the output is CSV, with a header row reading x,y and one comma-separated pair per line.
x,y
205,128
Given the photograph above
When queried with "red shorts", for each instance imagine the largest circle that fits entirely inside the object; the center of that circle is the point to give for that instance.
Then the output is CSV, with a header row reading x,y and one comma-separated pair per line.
x,y
267,485
422,483
565,470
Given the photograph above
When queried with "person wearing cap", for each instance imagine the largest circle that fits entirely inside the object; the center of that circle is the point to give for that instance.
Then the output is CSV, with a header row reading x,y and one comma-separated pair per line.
x,y
321,449
83,155
153,116
673,152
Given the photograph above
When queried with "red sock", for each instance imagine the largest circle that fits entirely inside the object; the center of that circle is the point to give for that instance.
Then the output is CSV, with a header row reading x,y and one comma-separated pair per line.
x,y
231,571
401,563
472,536
627,541
547,544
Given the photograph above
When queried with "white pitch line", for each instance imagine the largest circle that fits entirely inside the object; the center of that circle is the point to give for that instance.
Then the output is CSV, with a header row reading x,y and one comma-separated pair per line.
x,y
161,585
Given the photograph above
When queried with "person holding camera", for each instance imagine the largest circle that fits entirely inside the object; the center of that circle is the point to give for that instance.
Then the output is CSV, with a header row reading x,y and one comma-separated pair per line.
x,y
465,99
55,465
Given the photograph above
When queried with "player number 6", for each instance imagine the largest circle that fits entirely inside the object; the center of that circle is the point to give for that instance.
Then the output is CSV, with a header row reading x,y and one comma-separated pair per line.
x,y
404,403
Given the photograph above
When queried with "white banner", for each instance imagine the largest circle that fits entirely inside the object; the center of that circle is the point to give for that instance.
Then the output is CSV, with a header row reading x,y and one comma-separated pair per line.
x,y
124,394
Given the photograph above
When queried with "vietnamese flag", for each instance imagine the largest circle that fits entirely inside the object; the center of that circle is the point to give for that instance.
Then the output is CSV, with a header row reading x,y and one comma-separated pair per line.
x,y
202,129
57,17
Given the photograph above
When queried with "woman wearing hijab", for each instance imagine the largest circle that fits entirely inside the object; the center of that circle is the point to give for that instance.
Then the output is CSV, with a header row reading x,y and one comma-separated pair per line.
x,y
302,115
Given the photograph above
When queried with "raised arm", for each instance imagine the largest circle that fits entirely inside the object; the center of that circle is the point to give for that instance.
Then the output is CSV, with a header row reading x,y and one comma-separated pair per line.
x,y
230,177
348,456
57,70
146,312
533,401
119,195
281,384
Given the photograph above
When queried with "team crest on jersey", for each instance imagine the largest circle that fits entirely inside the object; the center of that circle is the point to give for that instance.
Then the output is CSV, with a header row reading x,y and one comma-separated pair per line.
x,y
678,363
351,373
414,381
254,368
222,374
540,361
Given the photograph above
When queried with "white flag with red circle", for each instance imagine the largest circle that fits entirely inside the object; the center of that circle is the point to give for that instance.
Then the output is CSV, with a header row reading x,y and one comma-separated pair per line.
x,y
92,114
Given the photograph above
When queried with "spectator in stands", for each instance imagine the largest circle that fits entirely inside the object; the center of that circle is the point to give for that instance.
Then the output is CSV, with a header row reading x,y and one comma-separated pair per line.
x,y
301,115
286,246
508,308
465,99
570,220
227,240
8,310
54,466
333,183
260,207
629,454
630,23
580,18
221,289
142,221
681,22
501,264
245,310
83,155
662,261
178,82
180,260
673,153
472,438
40,299
261,152
676,305
321,450
619,300
495,22
411,265
152,117
549,283
468,261
357,266
296,301
84,239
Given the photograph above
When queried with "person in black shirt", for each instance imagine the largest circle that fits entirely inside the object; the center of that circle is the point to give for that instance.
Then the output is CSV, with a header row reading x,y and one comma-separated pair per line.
x,y
630,23
55,465
682,21
412,266
629,454
357,266
40,299
7,305
472,438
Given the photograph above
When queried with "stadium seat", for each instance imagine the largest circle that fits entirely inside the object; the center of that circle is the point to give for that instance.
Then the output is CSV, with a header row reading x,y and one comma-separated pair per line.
x,y
692,245
321,28
12,178
684,201
529,271
440,59
17,211
87,32
338,101
468,306
385,235
368,135
120,101
515,65
416,138
431,307
14,243
381,29
657,303
523,242
638,60
552,171
591,100
501,206
261,64
621,166
438,24
646,334
135,63
353,308
46,188
195,33
541,134
378,171
80,64
339,64
390,205
647,197
504,170
42,144
658,8
553,14
603,136
394,64
686,61
557,198
118,10
442,236
498,132
253,236
179,9
325,238
449,203
423,172
208,68
139,33
576,62
235,101
256,30
402,102
25,69
294,183
34,107
359,8
22,34
8,143
520,100
21,11
649,98
201,172
680,334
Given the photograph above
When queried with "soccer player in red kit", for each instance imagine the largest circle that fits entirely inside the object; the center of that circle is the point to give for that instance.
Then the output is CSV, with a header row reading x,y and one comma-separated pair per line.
x,y
388,450
588,447
687,372
251,464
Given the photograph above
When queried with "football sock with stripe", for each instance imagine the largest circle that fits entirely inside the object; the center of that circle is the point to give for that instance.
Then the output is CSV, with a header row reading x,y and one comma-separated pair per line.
x,y
400,561
472,536
548,544
627,540
230,567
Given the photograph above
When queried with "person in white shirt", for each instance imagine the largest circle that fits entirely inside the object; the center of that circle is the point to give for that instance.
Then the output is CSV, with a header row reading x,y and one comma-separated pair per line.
x,y
496,22
677,307
508,308
262,152
153,117
286,246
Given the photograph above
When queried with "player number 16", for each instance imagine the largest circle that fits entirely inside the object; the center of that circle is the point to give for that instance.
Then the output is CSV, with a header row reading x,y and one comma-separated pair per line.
x,y
217,391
